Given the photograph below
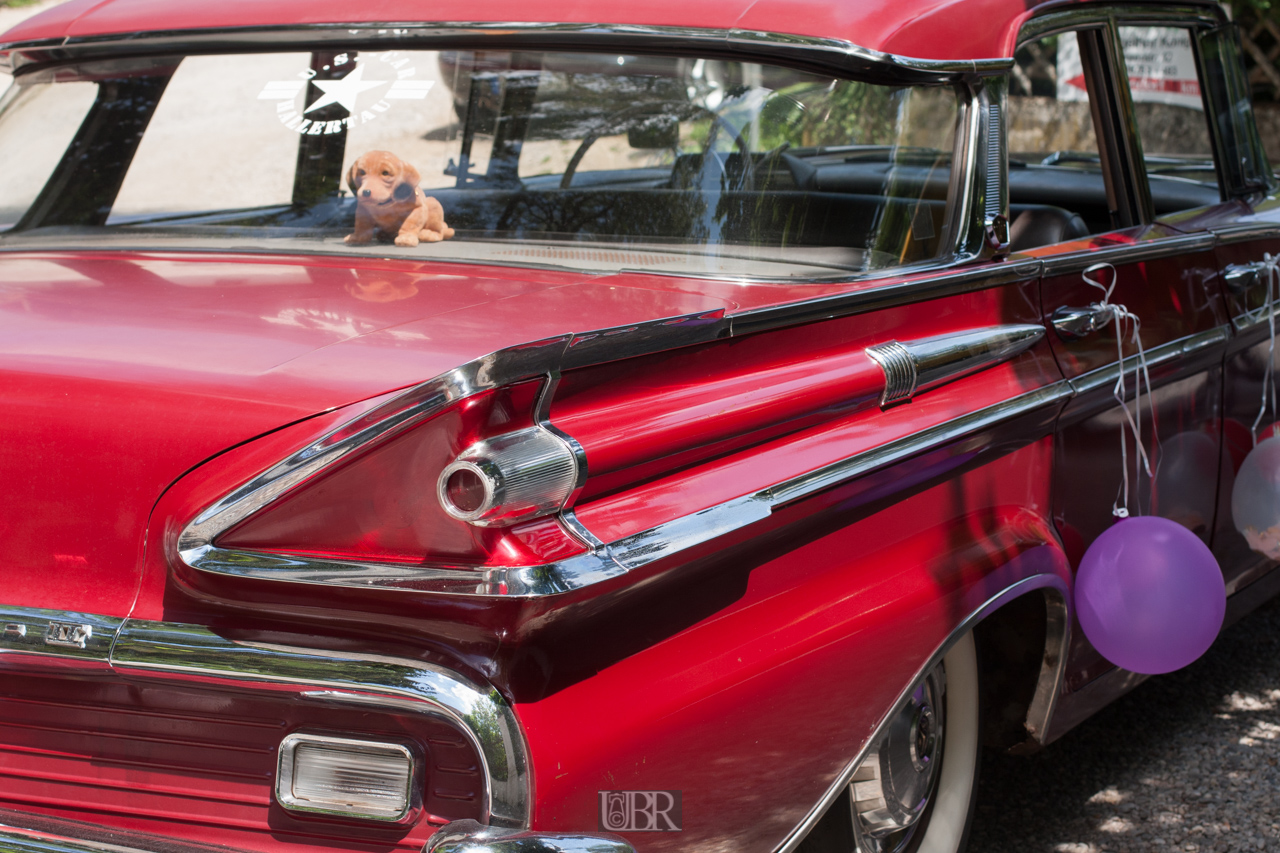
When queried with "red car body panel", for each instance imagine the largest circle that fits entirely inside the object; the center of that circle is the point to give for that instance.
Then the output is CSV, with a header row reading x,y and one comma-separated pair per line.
x,y
668,705
748,669
929,29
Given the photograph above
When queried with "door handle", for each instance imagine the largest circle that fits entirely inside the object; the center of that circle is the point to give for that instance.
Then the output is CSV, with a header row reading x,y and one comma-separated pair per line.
x,y
1072,324
1240,278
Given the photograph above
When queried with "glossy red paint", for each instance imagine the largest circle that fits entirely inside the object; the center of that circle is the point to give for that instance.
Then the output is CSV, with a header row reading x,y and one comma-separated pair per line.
x,y
796,656
781,644
696,405
848,426
260,343
930,29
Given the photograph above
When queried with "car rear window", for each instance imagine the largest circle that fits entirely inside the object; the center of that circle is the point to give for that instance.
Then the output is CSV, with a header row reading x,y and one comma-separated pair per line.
x,y
692,165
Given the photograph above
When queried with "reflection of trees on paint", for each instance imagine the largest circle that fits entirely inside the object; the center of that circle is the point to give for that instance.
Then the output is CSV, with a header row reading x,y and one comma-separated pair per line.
x,y
487,724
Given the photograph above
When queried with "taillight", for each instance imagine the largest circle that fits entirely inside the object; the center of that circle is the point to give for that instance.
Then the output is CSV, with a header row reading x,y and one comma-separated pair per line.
x,y
500,481
477,485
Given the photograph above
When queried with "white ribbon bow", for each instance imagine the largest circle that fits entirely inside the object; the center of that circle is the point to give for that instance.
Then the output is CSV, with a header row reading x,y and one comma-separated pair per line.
x,y
1119,315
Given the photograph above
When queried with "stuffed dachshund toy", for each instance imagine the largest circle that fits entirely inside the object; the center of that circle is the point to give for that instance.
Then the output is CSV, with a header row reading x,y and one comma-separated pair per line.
x,y
390,204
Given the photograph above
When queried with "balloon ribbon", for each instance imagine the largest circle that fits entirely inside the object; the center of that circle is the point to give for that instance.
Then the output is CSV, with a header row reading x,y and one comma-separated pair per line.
x,y
1271,269
1133,418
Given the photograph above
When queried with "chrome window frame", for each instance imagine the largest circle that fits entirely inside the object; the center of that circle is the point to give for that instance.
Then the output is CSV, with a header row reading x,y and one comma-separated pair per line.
x,y
975,81
1197,19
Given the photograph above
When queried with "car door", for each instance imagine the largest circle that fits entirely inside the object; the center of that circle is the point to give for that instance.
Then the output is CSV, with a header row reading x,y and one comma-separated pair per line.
x,y
1074,147
1248,230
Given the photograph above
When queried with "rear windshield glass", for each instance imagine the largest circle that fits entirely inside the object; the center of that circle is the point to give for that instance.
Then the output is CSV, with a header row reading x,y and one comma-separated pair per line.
x,y
688,165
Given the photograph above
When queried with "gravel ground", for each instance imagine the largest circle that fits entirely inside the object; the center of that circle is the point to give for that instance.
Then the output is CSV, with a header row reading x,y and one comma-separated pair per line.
x,y
1187,761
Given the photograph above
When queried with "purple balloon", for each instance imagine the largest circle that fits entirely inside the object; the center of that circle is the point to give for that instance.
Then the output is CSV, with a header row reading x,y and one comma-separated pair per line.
x,y
1150,595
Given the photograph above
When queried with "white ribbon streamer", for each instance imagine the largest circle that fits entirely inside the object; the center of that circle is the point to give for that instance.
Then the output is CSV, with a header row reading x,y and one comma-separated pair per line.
x,y
1271,269
1119,314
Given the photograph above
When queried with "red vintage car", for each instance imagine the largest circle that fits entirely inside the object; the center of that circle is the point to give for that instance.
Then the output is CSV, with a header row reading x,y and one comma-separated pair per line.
x,y
709,472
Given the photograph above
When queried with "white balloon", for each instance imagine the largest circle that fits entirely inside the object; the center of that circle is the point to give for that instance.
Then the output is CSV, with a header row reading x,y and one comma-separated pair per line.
x,y
1255,499
1186,473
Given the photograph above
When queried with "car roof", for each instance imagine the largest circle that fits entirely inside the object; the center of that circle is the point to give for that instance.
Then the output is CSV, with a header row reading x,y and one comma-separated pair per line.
x,y
926,29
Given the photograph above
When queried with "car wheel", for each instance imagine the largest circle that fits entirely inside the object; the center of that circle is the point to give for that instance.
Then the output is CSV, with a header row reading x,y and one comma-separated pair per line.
x,y
914,791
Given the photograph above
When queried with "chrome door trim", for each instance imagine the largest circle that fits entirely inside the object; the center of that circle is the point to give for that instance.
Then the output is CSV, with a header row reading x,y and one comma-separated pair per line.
x,y
828,53
1074,262
614,559
1246,232
1250,320
1106,376
1048,686
478,712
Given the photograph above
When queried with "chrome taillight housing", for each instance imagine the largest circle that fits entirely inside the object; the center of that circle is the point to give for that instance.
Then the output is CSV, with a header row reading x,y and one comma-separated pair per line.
x,y
509,478
477,485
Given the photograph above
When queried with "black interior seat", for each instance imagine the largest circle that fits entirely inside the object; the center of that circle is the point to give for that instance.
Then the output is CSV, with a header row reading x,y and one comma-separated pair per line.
x,y
1035,225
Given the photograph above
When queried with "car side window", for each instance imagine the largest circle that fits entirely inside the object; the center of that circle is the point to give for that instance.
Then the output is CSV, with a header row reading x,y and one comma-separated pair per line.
x,y
1057,184
1170,117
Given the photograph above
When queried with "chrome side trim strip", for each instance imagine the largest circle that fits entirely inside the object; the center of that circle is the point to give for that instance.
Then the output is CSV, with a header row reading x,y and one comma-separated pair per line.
x,y
827,53
1074,262
617,558
920,442
479,712
77,638
877,297
1105,377
1051,585
666,539
1253,319
916,366
1244,233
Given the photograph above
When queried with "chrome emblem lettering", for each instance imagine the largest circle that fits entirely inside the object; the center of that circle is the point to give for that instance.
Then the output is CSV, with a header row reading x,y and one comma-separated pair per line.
x,y
15,629
70,635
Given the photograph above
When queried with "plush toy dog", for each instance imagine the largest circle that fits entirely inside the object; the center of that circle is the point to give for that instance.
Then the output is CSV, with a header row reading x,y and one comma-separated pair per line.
x,y
390,203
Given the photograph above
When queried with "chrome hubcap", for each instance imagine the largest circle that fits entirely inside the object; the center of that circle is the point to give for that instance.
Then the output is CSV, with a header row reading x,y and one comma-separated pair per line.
x,y
892,786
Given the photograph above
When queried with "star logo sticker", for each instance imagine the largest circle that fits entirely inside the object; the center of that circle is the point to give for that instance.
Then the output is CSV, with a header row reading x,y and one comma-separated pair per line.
x,y
344,91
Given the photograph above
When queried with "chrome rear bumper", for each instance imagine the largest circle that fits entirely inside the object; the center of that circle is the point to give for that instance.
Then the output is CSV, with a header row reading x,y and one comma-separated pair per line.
x,y
471,837
462,835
